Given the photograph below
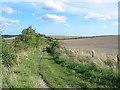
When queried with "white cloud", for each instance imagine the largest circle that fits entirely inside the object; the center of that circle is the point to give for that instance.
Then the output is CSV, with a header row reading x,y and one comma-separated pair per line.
x,y
61,7
67,25
60,0
9,10
52,5
4,25
103,1
98,16
98,1
52,18
66,6
14,21
90,13
8,20
114,23
105,26
33,14
5,22
34,4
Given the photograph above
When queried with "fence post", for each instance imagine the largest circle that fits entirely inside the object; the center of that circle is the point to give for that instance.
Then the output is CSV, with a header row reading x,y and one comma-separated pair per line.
x,y
118,59
93,53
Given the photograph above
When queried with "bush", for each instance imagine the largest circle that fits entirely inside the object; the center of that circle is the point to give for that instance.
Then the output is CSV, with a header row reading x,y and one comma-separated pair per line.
x,y
29,38
52,49
8,54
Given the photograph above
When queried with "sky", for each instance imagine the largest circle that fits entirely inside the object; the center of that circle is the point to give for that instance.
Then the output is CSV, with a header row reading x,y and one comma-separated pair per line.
x,y
60,17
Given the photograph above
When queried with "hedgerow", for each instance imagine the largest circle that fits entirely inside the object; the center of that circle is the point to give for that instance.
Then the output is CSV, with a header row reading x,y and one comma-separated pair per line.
x,y
28,39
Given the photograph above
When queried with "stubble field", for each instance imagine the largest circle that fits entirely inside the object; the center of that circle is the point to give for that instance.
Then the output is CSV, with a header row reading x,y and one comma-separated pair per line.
x,y
105,45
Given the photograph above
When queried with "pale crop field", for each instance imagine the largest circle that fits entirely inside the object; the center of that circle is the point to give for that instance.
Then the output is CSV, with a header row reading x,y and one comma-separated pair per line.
x,y
103,45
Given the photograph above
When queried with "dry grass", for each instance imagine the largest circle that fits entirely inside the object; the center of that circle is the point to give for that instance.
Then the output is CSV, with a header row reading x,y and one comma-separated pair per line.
x,y
100,60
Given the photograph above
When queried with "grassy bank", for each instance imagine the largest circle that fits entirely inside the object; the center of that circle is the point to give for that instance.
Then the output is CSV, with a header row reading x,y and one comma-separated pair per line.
x,y
24,74
83,71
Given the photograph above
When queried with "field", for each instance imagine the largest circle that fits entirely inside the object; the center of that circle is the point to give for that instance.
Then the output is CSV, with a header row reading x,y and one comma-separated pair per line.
x,y
62,37
105,45
9,39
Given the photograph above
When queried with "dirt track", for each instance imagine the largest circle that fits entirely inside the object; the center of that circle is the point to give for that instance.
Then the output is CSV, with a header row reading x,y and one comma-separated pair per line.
x,y
104,45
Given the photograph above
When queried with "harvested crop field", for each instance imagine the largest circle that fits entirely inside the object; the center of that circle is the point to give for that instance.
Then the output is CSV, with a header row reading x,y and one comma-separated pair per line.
x,y
62,37
9,39
105,45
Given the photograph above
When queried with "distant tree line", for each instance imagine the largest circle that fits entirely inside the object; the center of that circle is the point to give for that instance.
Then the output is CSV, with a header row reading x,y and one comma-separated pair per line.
x,y
9,36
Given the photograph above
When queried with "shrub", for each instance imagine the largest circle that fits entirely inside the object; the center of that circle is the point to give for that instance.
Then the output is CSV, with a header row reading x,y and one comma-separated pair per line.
x,y
53,49
29,38
8,54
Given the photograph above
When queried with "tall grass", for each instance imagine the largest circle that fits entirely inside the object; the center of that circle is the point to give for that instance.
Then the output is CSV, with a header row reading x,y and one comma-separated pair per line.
x,y
25,73
90,71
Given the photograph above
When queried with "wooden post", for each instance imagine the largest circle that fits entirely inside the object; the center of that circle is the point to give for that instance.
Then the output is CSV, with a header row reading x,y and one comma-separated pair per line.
x,y
118,59
93,53
118,63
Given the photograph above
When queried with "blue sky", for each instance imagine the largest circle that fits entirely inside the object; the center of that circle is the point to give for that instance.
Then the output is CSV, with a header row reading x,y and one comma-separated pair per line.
x,y
71,18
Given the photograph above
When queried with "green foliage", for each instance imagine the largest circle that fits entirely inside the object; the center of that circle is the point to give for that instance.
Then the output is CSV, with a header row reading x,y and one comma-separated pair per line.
x,y
28,39
60,77
89,72
31,38
28,31
49,38
52,49
8,54
24,75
